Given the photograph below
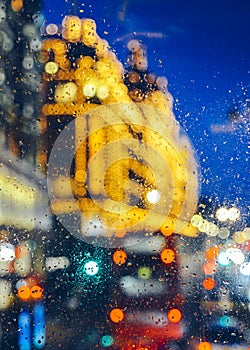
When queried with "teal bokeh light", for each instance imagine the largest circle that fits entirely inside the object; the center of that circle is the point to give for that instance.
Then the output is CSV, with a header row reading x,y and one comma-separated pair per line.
x,y
225,321
107,340
224,260
90,270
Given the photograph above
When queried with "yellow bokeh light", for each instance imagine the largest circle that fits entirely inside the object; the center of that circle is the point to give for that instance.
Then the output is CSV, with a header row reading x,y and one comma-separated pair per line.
x,y
102,92
66,93
89,90
203,225
195,220
51,67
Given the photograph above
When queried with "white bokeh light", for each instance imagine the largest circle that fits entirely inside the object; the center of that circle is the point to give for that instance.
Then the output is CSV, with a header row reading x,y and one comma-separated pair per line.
x,y
233,214
153,196
222,214
91,268
245,268
236,255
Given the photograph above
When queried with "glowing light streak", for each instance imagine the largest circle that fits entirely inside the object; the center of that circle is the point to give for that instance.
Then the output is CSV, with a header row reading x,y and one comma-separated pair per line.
x,y
144,245
24,331
10,187
5,294
151,318
39,336
56,263
137,288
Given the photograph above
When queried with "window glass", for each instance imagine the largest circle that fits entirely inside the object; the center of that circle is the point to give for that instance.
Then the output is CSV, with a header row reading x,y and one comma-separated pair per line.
x,y
124,178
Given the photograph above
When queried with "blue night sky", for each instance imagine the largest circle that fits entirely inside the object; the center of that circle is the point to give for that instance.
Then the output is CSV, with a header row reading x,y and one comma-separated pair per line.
x,y
205,53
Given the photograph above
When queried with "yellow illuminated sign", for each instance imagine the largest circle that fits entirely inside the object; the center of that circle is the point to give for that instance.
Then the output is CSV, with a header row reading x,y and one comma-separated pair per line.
x,y
133,169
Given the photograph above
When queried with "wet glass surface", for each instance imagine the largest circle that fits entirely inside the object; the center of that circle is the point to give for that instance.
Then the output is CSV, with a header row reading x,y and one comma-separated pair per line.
x,y
124,175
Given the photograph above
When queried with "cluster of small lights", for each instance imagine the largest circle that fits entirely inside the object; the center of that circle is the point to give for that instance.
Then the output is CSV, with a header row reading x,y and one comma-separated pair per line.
x,y
210,267
56,263
224,214
216,256
94,87
141,282
19,260
25,293
92,77
16,259
210,228
242,236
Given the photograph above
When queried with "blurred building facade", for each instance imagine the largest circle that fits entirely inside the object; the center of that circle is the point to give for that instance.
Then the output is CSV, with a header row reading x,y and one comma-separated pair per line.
x,y
20,76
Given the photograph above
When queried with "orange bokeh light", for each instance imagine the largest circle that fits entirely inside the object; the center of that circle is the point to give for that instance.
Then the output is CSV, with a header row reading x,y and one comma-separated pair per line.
x,y
174,315
16,5
204,346
36,292
24,293
120,257
212,253
167,230
116,315
167,256
208,283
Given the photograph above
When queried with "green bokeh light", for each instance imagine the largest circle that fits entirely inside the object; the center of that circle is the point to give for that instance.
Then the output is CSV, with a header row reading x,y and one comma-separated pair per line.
x,y
144,273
